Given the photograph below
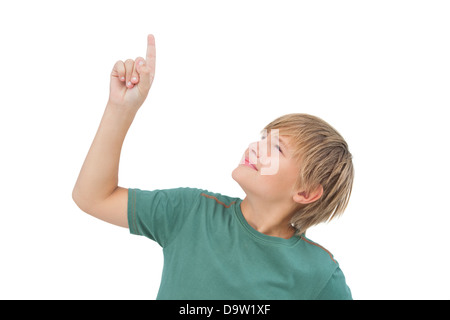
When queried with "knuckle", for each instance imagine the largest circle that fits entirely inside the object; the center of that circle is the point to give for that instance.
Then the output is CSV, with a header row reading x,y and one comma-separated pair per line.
x,y
118,65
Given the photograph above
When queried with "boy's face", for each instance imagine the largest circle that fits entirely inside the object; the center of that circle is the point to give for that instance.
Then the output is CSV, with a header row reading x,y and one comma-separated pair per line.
x,y
267,169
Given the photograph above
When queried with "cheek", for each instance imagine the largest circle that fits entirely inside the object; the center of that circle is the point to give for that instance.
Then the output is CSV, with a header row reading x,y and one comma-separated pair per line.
x,y
274,187
284,179
276,182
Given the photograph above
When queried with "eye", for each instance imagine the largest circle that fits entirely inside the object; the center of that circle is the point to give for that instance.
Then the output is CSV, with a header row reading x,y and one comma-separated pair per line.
x,y
276,146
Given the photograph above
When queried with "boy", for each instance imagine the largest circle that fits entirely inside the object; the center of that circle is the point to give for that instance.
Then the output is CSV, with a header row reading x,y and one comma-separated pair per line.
x,y
219,247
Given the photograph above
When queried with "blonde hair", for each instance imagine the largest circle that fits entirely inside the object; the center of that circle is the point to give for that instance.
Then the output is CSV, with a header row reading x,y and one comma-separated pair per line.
x,y
324,160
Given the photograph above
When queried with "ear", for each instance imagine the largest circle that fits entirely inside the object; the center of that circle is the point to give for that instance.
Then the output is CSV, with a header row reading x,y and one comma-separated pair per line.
x,y
304,197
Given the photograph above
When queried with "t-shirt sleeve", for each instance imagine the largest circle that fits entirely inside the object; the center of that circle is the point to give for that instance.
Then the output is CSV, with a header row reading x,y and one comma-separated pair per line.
x,y
160,214
336,288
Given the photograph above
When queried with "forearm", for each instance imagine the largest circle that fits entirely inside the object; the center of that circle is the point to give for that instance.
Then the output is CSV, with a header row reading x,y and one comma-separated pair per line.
x,y
98,177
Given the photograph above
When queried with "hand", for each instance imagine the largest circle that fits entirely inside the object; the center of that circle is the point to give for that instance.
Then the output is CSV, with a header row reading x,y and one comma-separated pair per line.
x,y
131,80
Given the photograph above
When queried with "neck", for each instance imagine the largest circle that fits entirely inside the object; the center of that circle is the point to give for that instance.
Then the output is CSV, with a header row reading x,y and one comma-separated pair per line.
x,y
272,219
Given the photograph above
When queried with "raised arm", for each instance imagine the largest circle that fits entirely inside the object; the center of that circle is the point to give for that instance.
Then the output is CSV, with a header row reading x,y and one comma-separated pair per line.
x,y
96,190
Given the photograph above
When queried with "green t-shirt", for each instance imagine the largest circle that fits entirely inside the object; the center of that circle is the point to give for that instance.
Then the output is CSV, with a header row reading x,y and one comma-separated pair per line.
x,y
211,252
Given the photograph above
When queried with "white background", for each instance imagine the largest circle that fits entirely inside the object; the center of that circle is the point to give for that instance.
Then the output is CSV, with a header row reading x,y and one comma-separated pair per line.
x,y
378,71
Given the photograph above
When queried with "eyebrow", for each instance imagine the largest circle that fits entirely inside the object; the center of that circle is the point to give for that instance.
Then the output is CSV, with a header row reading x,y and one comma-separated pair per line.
x,y
281,141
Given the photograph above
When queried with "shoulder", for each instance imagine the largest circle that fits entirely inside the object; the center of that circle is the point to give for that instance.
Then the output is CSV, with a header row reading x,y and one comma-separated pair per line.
x,y
219,199
318,251
332,284
184,195
171,193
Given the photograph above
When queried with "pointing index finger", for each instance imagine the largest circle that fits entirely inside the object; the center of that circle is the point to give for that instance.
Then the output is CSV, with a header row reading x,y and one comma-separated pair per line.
x,y
151,51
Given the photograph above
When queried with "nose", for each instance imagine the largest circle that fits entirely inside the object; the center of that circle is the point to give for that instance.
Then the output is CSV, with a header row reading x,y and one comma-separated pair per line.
x,y
259,151
253,152
254,148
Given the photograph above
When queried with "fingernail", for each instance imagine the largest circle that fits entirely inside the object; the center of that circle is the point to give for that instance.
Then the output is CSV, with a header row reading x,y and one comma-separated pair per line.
x,y
134,79
122,79
129,83
141,63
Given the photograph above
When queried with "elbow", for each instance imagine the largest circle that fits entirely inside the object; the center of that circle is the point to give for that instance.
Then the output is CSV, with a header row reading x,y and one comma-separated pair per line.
x,y
78,199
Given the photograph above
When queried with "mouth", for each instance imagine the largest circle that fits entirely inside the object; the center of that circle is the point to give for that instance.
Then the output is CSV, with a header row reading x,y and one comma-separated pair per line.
x,y
248,164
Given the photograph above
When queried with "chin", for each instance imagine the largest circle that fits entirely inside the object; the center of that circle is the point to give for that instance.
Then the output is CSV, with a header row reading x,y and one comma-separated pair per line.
x,y
254,186
235,174
239,176
242,177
